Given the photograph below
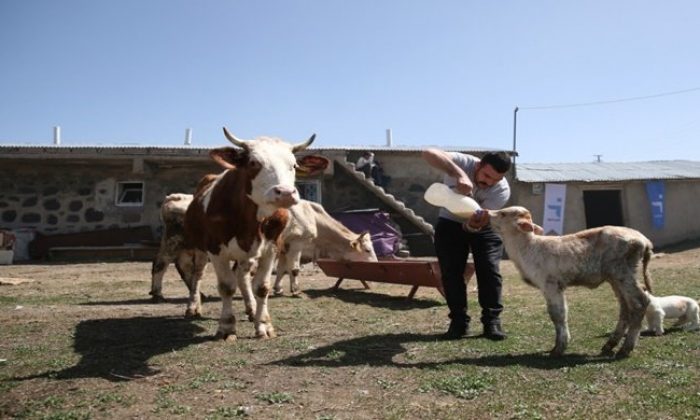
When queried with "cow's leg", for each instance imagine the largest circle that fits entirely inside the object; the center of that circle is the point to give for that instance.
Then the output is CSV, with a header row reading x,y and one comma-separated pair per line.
x,y
244,270
261,286
637,303
622,322
281,269
226,283
557,309
293,268
158,269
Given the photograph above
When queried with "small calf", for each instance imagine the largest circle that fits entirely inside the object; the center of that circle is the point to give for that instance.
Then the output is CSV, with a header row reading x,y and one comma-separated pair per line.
x,y
312,230
586,258
681,307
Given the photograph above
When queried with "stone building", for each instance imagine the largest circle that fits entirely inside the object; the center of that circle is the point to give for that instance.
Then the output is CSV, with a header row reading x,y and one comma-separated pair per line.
x,y
91,195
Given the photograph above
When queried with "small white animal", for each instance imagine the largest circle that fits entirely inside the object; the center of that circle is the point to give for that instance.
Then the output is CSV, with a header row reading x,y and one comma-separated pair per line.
x,y
681,307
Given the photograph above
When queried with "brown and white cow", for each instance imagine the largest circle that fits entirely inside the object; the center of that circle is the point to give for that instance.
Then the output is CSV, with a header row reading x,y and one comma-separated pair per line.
x,y
586,258
238,216
310,230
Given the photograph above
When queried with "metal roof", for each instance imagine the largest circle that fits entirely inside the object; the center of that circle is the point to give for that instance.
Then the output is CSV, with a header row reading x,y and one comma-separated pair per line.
x,y
185,150
607,171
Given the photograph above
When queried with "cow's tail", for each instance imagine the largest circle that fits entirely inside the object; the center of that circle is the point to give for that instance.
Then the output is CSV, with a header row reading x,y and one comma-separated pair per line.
x,y
648,252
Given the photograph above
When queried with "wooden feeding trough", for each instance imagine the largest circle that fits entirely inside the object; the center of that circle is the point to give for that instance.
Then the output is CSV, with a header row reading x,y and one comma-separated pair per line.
x,y
414,273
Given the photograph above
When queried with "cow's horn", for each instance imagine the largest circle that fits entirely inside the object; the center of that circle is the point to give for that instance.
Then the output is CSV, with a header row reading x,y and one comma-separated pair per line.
x,y
234,140
301,146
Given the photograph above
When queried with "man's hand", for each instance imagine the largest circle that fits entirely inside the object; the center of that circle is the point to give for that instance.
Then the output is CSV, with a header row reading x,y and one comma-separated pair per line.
x,y
464,185
478,220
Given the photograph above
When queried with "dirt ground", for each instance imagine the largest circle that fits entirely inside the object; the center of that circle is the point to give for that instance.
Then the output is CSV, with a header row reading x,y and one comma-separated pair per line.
x,y
83,340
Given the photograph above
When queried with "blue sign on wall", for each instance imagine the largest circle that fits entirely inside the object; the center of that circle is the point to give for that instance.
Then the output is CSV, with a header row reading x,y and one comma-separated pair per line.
x,y
655,194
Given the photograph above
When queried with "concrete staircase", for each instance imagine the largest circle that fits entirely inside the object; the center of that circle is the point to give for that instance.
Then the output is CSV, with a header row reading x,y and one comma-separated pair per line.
x,y
392,202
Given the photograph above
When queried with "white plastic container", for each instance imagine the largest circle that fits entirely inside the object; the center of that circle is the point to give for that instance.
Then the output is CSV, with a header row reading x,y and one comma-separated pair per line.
x,y
441,195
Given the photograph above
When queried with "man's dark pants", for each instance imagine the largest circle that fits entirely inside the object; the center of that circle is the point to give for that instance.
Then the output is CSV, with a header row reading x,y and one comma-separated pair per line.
x,y
452,245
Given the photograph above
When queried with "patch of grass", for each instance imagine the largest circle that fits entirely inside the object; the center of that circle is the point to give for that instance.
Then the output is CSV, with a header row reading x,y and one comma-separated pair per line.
x,y
275,397
462,386
229,413
106,400
166,405
68,415
204,378
370,353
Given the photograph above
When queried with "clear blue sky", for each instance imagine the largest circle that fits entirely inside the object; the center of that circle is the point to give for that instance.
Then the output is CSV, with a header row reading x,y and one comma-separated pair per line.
x,y
445,73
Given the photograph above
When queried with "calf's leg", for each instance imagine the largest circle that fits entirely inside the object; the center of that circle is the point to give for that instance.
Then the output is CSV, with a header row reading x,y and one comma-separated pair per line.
x,y
622,323
557,309
637,303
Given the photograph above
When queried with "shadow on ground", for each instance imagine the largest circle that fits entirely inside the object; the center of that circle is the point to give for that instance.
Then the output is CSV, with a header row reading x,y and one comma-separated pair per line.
x,y
120,349
378,300
382,350
148,301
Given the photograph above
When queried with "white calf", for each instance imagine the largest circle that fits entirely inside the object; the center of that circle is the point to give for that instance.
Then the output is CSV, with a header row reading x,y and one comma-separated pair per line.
x,y
311,229
681,307
586,258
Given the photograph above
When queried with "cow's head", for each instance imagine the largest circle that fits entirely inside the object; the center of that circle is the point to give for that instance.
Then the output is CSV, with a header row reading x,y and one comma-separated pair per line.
x,y
270,165
513,219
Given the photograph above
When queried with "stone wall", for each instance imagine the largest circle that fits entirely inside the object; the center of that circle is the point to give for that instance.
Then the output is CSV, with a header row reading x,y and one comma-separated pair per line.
x,y
72,194
63,197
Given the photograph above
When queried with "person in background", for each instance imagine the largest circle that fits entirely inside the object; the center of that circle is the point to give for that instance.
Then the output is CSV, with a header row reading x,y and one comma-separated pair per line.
x,y
484,180
371,168
365,163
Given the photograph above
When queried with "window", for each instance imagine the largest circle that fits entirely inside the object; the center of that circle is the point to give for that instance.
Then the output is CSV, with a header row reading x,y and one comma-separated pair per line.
x,y
310,190
129,194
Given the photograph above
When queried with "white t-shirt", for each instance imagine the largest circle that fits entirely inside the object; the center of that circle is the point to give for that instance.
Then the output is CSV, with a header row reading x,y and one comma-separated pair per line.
x,y
362,161
492,198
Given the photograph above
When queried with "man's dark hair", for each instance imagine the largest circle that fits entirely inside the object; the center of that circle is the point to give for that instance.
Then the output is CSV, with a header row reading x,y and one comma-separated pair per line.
x,y
500,161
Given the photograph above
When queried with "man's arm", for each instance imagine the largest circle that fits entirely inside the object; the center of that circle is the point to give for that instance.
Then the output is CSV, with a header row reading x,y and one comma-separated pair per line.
x,y
441,160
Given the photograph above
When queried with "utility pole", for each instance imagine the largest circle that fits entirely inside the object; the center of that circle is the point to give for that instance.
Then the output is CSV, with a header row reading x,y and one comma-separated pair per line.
x,y
515,131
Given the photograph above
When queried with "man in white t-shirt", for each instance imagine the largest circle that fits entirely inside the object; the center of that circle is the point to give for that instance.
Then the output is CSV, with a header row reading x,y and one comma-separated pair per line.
x,y
365,163
484,180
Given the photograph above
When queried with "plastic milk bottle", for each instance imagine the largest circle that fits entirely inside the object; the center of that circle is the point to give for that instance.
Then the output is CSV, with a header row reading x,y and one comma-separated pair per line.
x,y
441,195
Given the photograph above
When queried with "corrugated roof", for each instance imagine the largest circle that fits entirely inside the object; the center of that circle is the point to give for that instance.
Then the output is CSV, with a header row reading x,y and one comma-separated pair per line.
x,y
607,171
187,150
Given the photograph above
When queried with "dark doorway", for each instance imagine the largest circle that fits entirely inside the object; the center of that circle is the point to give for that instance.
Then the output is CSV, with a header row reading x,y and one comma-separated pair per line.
x,y
603,207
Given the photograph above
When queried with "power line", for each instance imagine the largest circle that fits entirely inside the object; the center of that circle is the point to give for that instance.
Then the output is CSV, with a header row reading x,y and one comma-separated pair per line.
x,y
611,101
